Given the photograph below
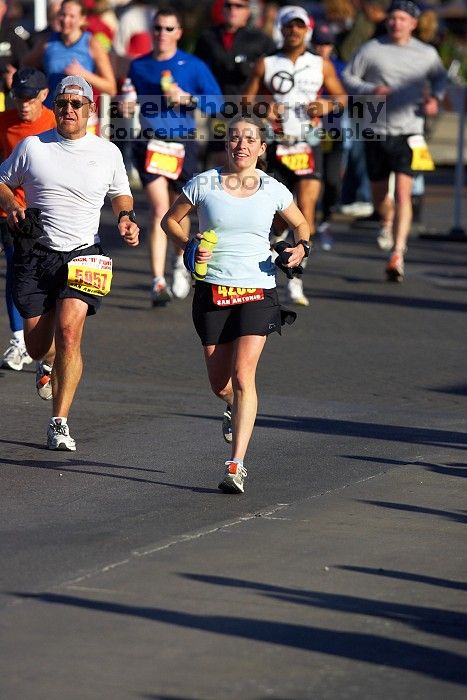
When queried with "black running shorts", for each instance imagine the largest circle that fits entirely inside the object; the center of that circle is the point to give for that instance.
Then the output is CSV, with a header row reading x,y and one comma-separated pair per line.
x,y
393,155
222,324
6,239
40,279
286,176
190,165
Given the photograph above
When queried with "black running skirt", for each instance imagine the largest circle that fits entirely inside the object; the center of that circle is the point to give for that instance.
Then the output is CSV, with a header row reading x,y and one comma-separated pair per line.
x,y
216,325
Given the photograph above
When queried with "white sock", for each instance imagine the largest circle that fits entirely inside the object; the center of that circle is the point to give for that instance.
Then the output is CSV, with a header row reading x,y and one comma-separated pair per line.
x,y
61,420
237,461
19,335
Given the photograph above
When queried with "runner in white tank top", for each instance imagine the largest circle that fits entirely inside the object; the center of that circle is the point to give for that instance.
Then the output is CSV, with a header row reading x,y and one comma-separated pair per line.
x,y
293,77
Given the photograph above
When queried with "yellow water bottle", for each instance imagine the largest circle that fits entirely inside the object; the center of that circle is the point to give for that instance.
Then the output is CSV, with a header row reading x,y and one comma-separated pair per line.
x,y
166,81
207,242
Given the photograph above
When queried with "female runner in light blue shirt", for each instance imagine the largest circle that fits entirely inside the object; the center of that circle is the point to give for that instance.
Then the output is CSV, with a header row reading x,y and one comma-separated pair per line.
x,y
236,307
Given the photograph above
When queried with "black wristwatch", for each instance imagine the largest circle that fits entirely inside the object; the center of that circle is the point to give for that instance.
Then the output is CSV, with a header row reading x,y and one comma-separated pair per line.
x,y
131,215
306,246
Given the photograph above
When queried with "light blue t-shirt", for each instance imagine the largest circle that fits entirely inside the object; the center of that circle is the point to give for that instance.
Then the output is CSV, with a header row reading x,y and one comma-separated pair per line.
x,y
242,257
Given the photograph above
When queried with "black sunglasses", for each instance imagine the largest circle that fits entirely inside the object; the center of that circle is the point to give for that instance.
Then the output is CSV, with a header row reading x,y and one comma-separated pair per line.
x,y
158,28
75,104
233,5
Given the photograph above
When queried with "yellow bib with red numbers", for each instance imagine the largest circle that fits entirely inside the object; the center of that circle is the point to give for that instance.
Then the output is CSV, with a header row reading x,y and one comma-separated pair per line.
x,y
231,296
164,158
91,274
299,158
421,156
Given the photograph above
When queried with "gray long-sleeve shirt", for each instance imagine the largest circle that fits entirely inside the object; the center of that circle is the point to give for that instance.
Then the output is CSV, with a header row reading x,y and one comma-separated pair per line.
x,y
412,71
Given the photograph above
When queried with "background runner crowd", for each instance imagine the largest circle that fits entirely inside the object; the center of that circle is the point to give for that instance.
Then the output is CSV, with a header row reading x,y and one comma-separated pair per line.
x,y
228,49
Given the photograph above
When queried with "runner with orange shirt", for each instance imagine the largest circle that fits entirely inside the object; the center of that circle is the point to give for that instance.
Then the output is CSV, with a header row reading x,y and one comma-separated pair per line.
x,y
29,117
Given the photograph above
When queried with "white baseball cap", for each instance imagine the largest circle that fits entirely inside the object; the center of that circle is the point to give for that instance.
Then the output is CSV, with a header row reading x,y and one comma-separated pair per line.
x,y
294,12
74,85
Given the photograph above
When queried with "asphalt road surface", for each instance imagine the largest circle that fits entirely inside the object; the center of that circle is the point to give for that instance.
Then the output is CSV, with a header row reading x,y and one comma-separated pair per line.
x,y
125,573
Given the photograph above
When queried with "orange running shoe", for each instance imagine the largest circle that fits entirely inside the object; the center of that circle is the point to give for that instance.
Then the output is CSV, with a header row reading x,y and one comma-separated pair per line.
x,y
395,268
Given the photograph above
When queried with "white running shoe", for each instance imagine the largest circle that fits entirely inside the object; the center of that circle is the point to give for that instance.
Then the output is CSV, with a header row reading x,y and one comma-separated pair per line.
x,y
181,280
296,295
357,209
233,479
227,424
16,355
44,380
384,238
58,436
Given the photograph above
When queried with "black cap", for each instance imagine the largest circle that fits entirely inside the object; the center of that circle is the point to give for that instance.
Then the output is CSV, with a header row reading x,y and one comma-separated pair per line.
x,y
28,82
323,34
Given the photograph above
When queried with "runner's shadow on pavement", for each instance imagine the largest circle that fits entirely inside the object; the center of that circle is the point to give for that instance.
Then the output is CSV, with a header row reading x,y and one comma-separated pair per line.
x,y
375,431
405,576
64,466
447,623
358,646
456,517
449,469
386,300
164,697
456,389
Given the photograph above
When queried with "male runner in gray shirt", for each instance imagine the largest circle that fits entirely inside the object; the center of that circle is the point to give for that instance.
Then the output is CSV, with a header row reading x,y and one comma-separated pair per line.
x,y
411,78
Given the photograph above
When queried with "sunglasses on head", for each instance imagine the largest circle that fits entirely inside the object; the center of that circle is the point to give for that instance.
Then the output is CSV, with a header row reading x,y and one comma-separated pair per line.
x,y
158,28
75,104
234,5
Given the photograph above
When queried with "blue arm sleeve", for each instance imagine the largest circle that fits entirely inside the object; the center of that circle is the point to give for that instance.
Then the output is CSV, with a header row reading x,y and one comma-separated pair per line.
x,y
209,95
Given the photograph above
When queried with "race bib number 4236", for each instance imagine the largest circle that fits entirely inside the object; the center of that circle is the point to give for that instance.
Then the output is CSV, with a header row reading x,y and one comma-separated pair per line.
x,y
91,274
230,296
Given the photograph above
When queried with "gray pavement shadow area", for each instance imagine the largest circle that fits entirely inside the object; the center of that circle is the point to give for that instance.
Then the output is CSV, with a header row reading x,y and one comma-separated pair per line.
x,y
375,431
388,300
406,576
80,466
458,469
398,433
371,648
456,517
426,619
